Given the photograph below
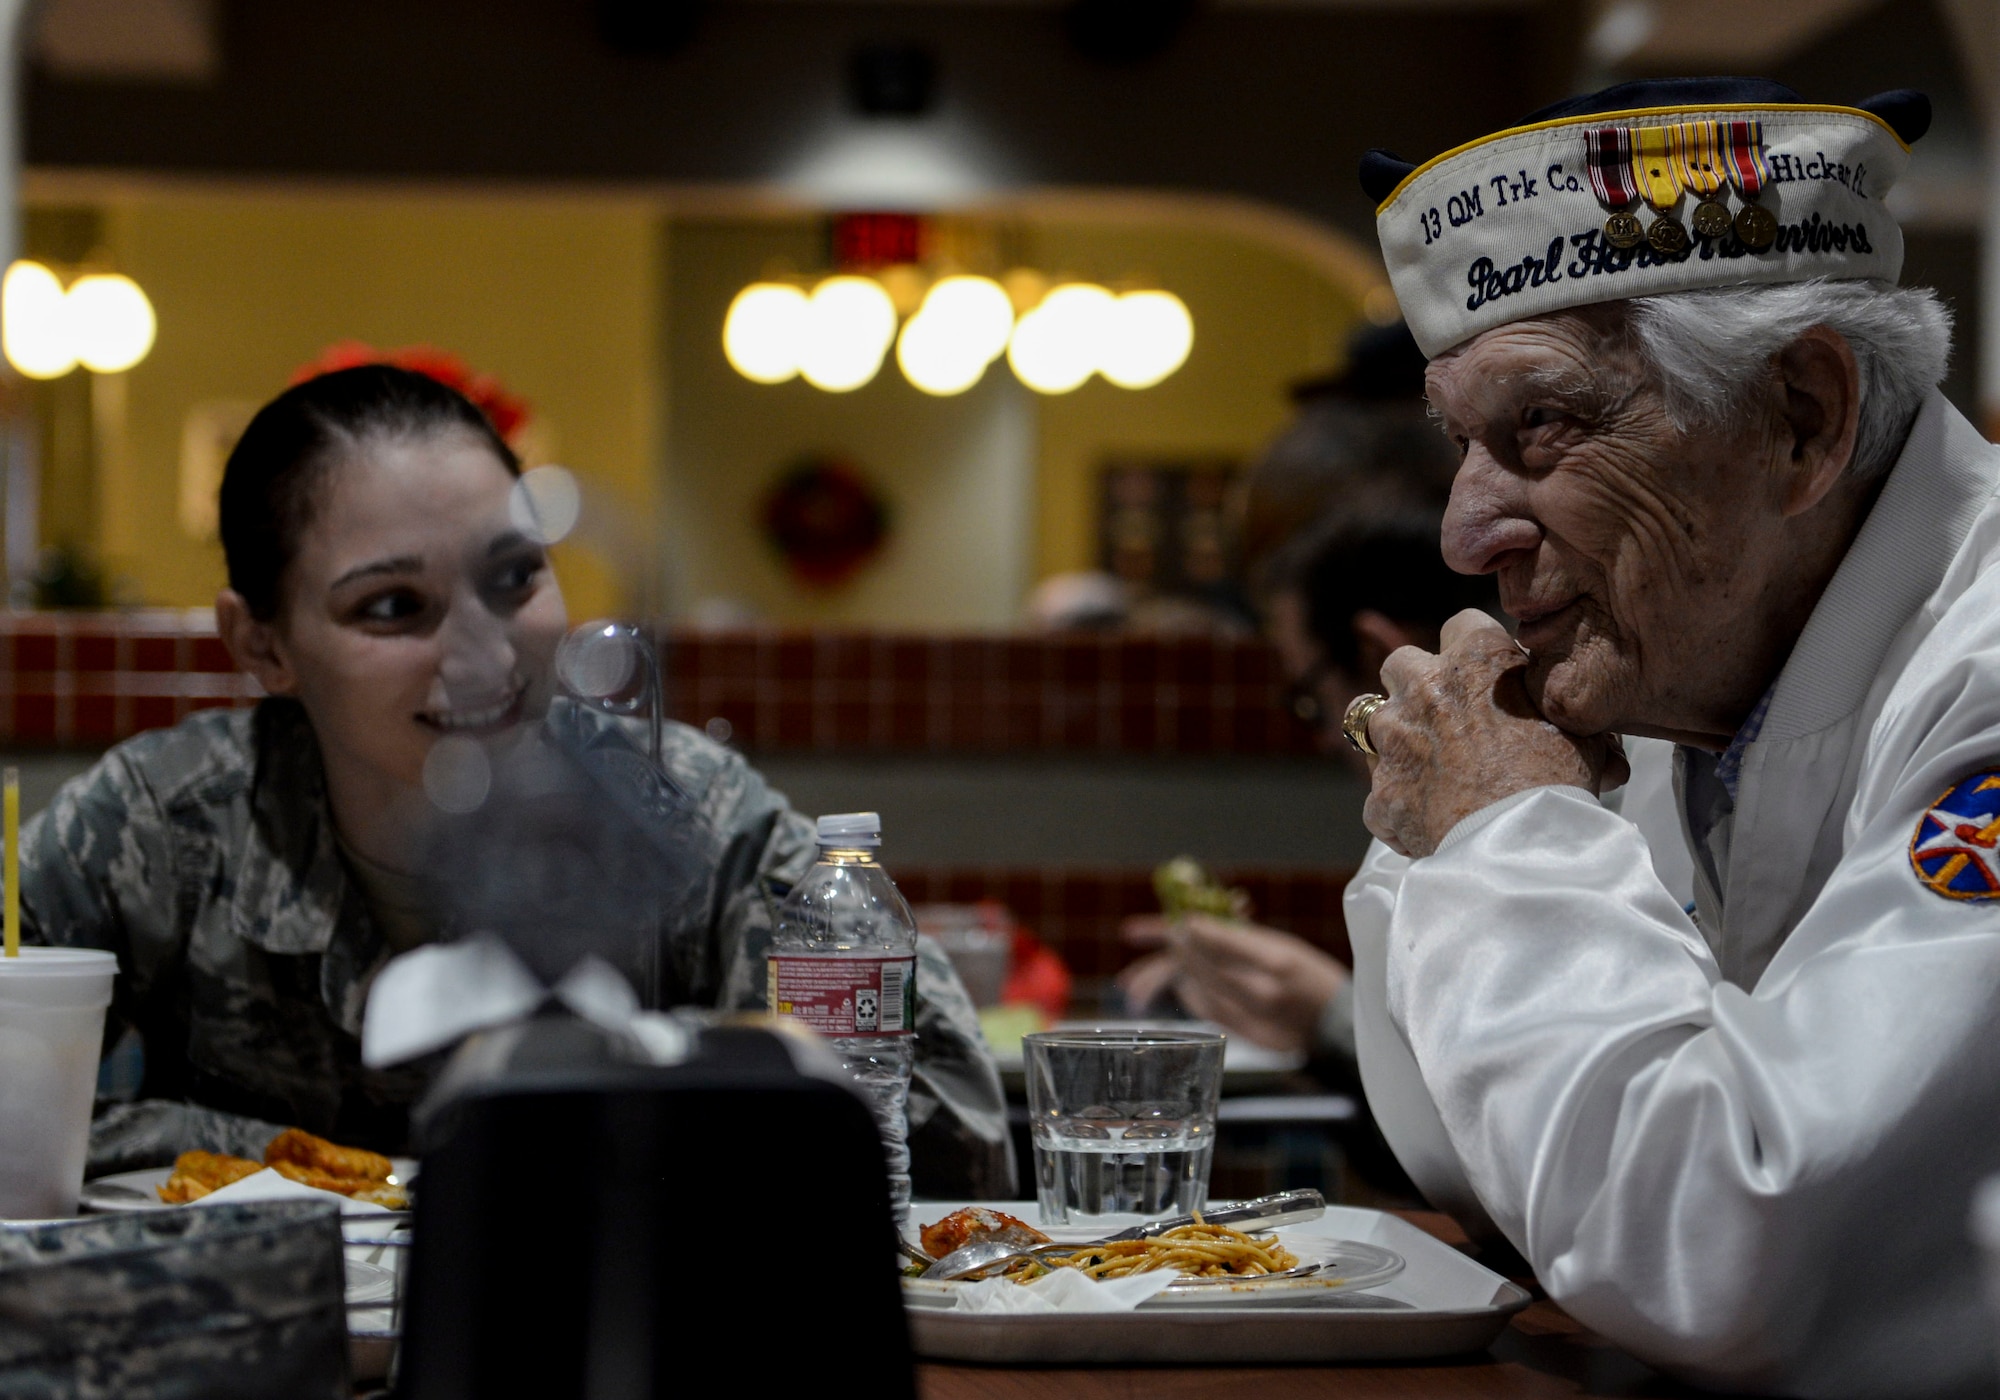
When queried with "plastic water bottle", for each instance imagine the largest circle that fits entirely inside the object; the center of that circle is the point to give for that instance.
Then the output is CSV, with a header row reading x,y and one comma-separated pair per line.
x,y
844,962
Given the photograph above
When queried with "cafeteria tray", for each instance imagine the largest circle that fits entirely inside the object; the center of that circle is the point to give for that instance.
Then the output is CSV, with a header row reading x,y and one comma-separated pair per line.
x,y
1442,1304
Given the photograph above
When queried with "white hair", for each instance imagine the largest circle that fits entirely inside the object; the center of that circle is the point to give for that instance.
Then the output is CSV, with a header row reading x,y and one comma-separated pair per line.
x,y
1713,350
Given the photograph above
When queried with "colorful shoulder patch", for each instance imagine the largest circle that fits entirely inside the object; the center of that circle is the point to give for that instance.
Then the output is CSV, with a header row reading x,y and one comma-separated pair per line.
x,y
1954,851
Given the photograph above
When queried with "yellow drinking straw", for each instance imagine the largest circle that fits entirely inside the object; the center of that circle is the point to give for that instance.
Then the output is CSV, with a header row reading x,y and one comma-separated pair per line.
x,y
12,836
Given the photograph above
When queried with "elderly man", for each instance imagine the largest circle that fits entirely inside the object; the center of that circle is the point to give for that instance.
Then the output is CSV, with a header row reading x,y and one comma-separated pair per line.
x,y
1704,455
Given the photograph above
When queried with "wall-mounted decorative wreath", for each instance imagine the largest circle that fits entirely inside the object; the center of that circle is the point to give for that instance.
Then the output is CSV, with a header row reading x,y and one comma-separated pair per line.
x,y
825,520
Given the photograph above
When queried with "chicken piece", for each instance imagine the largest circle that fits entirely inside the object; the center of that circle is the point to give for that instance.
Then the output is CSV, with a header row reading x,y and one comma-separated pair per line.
x,y
388,1197
315,1154
357,1187
324,1181
198,1173
962,1227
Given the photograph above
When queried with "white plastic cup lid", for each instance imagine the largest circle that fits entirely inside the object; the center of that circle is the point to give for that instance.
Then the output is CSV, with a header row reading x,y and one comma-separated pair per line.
x,y
851,829
58,977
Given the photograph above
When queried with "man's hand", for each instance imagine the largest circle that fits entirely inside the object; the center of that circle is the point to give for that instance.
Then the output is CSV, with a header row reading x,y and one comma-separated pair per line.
x,y
1266,986
1459,733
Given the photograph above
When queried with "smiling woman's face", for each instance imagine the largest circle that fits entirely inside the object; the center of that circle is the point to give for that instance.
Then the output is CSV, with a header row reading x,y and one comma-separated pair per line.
x,y
414,608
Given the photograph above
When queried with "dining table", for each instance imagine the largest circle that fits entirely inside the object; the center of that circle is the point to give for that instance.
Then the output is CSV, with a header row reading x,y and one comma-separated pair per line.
x,y
1543,1352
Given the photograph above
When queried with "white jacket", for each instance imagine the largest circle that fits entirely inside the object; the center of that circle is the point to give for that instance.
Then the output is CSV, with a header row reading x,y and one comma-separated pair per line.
x,y
1743,1146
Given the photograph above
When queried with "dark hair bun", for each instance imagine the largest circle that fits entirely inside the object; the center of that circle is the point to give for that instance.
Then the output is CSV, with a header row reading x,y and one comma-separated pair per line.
x,y
274,473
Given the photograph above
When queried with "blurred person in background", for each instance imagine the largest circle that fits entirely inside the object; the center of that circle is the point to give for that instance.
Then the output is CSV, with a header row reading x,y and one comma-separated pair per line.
x,y
254,869
1360,587
1340,523
1358,437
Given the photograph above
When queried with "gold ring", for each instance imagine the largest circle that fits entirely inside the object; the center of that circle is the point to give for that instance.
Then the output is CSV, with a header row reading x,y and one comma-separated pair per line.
x,y
1354,724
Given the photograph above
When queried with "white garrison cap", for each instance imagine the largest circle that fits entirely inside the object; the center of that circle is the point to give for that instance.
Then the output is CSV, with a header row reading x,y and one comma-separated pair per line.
x,y
1647,187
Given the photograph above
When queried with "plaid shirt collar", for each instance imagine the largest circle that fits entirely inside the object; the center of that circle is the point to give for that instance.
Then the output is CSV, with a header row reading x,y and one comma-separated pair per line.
x,y
1729,768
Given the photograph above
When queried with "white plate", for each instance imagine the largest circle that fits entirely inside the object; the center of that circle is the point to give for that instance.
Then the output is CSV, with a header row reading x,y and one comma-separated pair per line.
x,y
1442,1304
123,1192
1346,1266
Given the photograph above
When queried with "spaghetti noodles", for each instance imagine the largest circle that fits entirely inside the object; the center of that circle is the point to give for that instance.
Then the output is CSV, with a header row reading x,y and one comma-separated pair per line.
x,y
1199,1250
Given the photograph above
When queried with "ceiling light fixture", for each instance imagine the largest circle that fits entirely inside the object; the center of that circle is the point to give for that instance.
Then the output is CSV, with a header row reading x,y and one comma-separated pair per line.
x,y
962,327
764,330
34,331
105,322
836,334
1145,336
850,324
1057,346
111,323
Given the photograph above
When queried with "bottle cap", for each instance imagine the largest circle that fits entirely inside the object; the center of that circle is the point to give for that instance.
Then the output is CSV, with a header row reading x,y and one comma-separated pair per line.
x,y
851,829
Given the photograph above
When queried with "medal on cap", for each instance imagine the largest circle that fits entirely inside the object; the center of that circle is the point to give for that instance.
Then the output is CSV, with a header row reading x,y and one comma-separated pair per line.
x,y
1756,226
1608,151
1654,151
1697,162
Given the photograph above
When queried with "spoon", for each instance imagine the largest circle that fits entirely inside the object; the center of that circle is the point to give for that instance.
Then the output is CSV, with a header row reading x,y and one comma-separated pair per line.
x,y
969,1260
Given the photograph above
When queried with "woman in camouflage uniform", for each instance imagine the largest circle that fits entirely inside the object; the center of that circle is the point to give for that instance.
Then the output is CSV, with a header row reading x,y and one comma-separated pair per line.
x,y
253,869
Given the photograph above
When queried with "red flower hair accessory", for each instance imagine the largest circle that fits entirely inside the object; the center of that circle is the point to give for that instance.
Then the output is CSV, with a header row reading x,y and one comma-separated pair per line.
x,y
505,411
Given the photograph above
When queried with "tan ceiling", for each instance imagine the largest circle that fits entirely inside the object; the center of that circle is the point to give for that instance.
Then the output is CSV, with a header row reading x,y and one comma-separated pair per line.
x,y
1659,34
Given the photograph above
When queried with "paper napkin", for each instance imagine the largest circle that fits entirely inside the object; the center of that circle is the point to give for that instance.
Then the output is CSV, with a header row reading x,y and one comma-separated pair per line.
x,y
1064,1291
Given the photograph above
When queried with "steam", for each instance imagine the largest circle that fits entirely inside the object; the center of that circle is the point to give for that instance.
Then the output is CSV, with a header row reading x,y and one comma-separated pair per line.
x,y
572,844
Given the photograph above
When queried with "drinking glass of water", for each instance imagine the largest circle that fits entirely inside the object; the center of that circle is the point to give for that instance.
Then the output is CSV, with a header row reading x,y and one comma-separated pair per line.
x,y
1123,1121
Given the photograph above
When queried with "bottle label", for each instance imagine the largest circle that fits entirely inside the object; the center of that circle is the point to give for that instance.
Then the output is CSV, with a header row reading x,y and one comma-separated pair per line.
x,y
845,994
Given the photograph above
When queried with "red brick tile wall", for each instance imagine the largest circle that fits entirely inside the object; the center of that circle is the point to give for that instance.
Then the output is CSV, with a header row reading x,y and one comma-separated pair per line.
x,y
89,679
834,690
1077,912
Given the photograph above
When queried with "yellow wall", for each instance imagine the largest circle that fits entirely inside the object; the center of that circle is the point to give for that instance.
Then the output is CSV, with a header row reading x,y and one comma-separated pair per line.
x,y
1262,322
607,318
956,472
997,487
558,299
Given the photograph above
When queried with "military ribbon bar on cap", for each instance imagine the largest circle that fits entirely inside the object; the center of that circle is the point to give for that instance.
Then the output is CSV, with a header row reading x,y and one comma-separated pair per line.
x,y
1756,226
1747,170
1655,151
1698,165
1608,163
1515,226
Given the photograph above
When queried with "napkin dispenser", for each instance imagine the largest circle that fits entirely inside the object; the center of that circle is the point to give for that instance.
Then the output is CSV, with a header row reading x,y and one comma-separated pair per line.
x,y
591,1226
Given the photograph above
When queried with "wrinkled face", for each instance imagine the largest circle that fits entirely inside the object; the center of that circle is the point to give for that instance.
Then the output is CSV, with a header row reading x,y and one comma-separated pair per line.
x,y
1638,560
415,609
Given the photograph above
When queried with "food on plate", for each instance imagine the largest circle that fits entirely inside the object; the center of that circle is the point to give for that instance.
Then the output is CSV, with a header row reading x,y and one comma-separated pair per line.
x,y
963,1227
1200,1250
198,1173
379,1193
1185,888
301,1149
297,1155
1196,1251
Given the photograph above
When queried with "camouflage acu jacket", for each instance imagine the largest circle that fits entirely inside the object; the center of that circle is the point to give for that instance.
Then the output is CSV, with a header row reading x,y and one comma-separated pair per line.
x,y
204,856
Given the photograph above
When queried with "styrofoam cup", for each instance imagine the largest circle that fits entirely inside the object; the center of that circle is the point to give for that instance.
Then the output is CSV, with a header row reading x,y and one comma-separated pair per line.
x,y
52,1004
